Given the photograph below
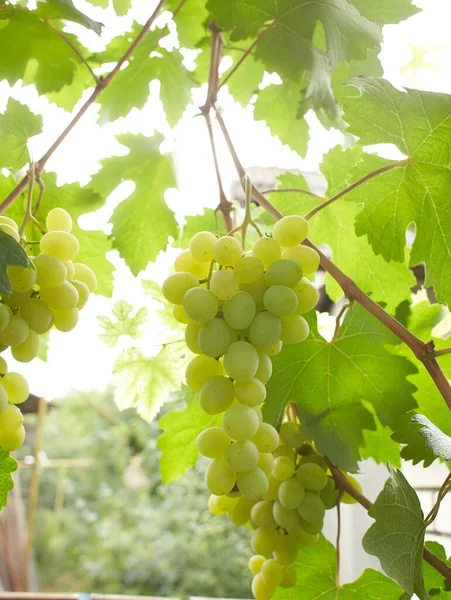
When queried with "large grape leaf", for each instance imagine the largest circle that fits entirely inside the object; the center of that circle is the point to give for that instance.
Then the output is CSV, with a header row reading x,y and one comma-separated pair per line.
x,y
328,382
7,466
11,253
17,125
191,21
433,580
145,210
243,84
397,536
65,10
386,11
124,324
122,6
436,440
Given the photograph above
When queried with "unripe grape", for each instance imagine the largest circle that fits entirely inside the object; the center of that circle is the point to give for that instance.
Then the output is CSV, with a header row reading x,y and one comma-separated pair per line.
x,y
262,514
61,244
283,468
70,268
255,563
307,296
286,550
175,286
59,219
241,361
61,297
261,589
239,311
3,399
3,367
215,337
264,540
302,537
273,488
11,231
252,484
291,230
258,412
66,320
15,333
291,434
289,577
251,392
22,278
192,336
225,504
284,451
185,262
284,517
28,349
291,493
312,508
17,299
280,300
283,272
272,572
265,329
311,476
267,250
227,251
266,438
86,275
11,441
180,315
50,270
83,293
264,370
213,507
295,329
224,284
219,478
4,317
10,419
266,462
242,456
273,349
248,269
200,304
329,494
306,257
37,314
316,459
16,387
216,395
256,290
8,221
311,528
240,422
201,246
241,514
213,442
200,369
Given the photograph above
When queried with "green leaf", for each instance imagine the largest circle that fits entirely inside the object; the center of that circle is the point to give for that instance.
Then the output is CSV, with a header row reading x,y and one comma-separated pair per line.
x,y
397,536
124,324
190,21
437,441
175,84
65,10
7,466
11,253
210,220
101,3
122,7
328,382
180,430
243,84
145,209
17,125
379,445
68,96
386,11
164,309
433,580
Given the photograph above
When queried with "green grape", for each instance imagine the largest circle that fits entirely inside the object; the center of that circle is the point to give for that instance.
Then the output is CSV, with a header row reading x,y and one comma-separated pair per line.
x,y
311,528
255,563
224,284
70,268
10,419
227,251
37,314
307,296
264,540
302,537
256,290
266,462
86,275
253,483
61,297
241,514
239,311
61,244
280,300
192,336
3,399
284,517
241,361
261,589
15,333
265,329
291,434
329,494
16,387
314,458
272,571
13,440
179,314
287,549
83,293
289,577
262,514
258,412
267,250
200,304
219,478
273,488
312,508
27,350
17,299
22,278
264,370
213,507
216,395
9,230
185,262
251,392
312,477
291,230
283,272
284,451
306,257
225,504
283,468
291,493
240,422
65,320
201,246
295,329
273,349
266,439
242,456
3,367
4,317
8,221
248,269
175,286
213,442
50,270
199,371
215,337
59,219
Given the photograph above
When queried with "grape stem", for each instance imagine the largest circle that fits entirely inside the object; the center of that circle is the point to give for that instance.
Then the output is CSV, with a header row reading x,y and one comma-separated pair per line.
x,y
446,487
342,311
28,213
337,541
247,215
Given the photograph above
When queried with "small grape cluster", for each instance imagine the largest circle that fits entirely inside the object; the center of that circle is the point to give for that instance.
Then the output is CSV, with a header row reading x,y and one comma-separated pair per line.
x,y
49,292
239,309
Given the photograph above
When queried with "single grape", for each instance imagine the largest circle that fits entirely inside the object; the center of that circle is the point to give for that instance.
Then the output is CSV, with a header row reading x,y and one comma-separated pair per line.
x,y
22,278
61,297
200,304
267,250
192,336
273,488
241,514
10,419
258,412
329,494
302,537
200,369
8,221
311,528
61,244
307,296
306,257
216,395
3,367
3,399
219,478
265,329
314,458
289,577
291,493
255,563
295,329
283,451
224,284
66,320
242,456
280,300
28,349
283,272
264,540
9,230
261,589
283,468
16,387
284,517
201,246
50,270
185,262
266,462
4,317
291,230
251,392
213,507
70,268
179,314
248,269
83,293
264,370
256,290
266,438
175,286
241,361
312,508
273,349
253,483
59,219
17,299
227,251
213,442
240,422
287,549
15,333
11,441
291,434
37,314
239,311
215,337
262,514
272,572
311,476
86,275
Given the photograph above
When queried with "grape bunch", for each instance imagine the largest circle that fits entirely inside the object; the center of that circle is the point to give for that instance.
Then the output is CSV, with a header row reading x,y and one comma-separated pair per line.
x,y
48,293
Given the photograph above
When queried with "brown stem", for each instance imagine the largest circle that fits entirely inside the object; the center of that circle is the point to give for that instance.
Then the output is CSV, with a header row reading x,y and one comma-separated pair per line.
x,y
213,74
441,352
41,187
343,309
28,213
441,494
296,190
337,541
74,48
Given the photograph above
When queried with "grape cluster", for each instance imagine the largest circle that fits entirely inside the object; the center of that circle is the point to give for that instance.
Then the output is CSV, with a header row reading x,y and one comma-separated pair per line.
x,y
239,309
49,292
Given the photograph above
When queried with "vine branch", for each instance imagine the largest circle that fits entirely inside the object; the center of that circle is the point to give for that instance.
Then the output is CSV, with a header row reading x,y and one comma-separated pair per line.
x,y
74,48
297,190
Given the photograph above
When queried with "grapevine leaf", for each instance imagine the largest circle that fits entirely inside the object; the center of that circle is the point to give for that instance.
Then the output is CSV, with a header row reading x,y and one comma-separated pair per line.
x,y
68,96
164,309
433,580
122,7
243,84
7,466
178,441
93,248
416,191
65,10
125,323
17,125
379,444
437,441
101,3
397,536
328,382
175,84
386,11
190,21
145,209
11,253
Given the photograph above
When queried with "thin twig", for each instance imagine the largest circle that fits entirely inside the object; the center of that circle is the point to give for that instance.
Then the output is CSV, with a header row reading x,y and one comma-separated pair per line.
x,y
41,186
28,213
295,190
337,541
74,48
213,74
441,494
441,352
343,309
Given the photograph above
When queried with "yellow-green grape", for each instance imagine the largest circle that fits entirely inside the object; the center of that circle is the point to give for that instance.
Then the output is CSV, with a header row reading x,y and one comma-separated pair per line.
x,y
302,537
65,320
4,317
175,286
273,349
70,268
280,300
273,488
284,517
329,494
286,550
312,508
180,315
227,251
219,478
239,311
3,367
8,221
255,563
283,272
200,304
27,350
201,246
346,498
61,244
22,278
16,387
284,451
291,230
242,456
37,314
311,528
215,337
15,333
185,262
253,484
266,438
262,514
50,270
306,257
261,589
264,370
251,392
3,399
86,275
259,414
289,577
224,284
307,296
17,299
9,230
241,361
213,507
11,441
213,442
216,395
314,458
199,370
267,250
295,329
240,515
272,571
283,468
291,434
248,269
240,422
312,477
266,462
291,493
225,503
191,336
83,292
10,419
256,290
264,540
265,329
59,219
61,297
